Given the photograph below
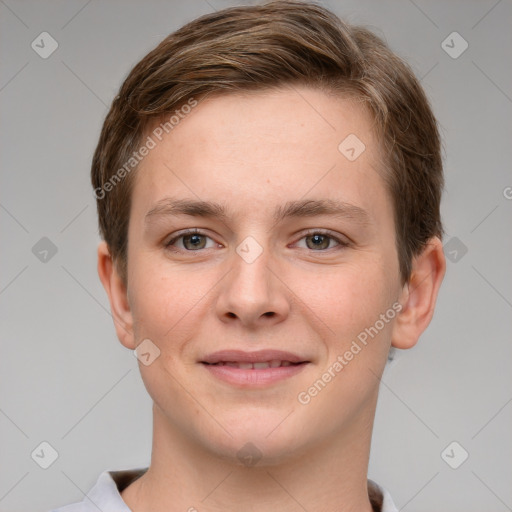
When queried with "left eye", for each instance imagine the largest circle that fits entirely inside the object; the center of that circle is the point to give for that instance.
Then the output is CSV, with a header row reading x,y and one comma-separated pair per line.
x,y
319,240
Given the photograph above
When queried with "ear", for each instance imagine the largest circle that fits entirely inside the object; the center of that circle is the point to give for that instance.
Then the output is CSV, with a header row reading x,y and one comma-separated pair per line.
x,y
419,295
117,296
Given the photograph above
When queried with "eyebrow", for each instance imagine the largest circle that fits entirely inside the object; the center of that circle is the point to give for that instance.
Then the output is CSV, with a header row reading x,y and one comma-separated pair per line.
x,y
292,209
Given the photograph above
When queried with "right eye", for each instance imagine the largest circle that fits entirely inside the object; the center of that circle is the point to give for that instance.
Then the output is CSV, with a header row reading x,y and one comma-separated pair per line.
x,y
192,240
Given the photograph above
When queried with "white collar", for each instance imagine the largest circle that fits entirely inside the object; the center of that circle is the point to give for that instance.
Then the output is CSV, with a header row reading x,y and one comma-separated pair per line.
x,y
106,493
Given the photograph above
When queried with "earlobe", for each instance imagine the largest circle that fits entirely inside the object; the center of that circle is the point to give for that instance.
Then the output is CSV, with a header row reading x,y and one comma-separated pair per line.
x,y
419,295
117,295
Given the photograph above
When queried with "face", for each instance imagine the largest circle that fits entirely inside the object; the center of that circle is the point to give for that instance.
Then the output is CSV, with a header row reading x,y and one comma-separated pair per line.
x,y
294,252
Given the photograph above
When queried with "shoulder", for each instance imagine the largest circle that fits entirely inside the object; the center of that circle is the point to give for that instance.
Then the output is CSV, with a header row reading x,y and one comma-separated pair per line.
x,y
105,495
73,507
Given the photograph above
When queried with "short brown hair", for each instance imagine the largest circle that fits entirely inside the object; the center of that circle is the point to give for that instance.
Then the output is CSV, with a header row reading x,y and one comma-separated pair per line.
x,y
266,46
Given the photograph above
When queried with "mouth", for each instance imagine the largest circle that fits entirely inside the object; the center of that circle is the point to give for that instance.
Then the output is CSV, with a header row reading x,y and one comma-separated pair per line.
x,y
253,369
259,359
274,363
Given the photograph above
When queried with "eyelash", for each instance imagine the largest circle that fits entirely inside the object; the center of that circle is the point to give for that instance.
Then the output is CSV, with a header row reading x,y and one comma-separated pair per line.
x,y
341,243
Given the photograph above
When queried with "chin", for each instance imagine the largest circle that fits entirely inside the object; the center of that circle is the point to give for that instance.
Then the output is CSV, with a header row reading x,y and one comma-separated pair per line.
x,y
258,441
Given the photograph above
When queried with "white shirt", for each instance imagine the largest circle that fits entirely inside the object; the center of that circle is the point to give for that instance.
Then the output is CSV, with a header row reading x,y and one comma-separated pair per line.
x,y
105,495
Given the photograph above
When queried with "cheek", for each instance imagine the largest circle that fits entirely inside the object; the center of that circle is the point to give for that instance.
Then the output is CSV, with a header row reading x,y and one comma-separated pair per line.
x,y
154,300
165,311
357,307
165,303
360,315
347,298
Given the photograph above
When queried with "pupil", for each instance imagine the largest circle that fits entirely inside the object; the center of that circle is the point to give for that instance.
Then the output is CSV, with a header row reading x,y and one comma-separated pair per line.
x,y
319,241
192,241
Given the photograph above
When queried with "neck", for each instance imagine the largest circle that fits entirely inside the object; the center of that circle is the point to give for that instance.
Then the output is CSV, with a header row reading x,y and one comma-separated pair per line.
x,y
183,476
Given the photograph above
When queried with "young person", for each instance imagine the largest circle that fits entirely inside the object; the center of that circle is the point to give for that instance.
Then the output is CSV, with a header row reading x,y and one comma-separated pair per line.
x,y
268,183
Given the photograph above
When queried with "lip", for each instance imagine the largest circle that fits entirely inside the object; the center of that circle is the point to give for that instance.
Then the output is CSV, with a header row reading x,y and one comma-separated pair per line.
x,y
258,356
254,377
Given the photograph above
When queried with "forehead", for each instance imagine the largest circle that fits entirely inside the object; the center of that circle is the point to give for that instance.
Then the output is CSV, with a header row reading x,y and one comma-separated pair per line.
x,y
266,147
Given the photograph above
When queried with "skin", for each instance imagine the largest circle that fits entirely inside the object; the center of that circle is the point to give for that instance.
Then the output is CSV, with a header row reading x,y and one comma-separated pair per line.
x,y
253,153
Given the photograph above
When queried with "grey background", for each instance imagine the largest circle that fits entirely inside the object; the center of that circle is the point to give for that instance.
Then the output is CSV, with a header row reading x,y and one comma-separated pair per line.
x,y
65,378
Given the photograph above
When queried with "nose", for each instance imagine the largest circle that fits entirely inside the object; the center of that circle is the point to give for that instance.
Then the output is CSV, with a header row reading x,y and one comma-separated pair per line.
x,y
253,293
